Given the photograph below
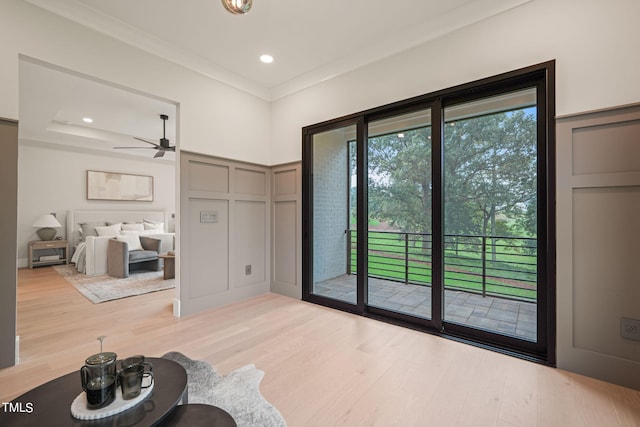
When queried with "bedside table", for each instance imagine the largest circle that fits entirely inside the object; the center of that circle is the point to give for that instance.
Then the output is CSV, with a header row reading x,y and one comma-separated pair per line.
x,y
56,246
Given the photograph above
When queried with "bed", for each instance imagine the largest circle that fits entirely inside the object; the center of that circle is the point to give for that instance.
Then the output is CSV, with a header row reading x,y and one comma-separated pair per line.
x,y
90,249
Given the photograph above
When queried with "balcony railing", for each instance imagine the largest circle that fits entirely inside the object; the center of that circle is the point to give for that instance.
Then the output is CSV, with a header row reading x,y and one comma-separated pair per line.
x,y
488,265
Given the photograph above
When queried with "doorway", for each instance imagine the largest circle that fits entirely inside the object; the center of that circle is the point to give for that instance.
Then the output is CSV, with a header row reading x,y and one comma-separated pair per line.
x,y
58,151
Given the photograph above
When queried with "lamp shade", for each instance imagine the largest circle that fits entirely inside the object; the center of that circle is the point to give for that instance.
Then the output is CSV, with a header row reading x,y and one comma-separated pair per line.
x,y
46,225
47,221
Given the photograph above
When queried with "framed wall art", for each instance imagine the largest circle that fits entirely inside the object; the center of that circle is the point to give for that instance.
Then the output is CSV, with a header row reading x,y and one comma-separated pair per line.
x,y
119,186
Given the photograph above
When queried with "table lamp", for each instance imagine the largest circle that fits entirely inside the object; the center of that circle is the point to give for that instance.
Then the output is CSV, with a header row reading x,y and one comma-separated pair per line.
x,y
46,225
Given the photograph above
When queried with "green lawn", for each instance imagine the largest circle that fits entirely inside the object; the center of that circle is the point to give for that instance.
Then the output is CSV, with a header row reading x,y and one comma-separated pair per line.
x,y
513,273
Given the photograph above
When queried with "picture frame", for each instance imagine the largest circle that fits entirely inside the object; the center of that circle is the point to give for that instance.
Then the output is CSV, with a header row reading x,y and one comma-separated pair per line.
x,y
115,186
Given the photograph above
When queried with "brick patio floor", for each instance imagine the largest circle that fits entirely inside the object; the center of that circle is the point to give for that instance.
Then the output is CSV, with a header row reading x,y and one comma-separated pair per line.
x,y
508,317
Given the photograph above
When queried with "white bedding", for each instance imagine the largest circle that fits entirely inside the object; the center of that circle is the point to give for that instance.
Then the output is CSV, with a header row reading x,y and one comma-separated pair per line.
x,y
90,255
79,257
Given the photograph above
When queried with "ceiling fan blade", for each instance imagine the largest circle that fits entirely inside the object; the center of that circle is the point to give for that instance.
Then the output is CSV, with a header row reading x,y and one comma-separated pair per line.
x,y
137,148
144,140
159,154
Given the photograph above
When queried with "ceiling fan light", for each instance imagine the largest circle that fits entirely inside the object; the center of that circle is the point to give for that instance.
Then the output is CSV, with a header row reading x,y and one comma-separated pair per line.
x,y
237,7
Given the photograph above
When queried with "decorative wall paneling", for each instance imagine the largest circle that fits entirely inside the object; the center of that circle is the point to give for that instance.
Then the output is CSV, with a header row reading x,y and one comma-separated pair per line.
x,y
224,243
598,210
286,226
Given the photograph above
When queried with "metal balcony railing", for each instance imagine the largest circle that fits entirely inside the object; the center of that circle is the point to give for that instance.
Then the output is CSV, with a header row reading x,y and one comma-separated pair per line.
x,y
488,265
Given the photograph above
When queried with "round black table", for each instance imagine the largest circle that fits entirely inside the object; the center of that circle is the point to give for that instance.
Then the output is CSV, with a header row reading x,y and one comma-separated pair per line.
x,y
198,415
51,402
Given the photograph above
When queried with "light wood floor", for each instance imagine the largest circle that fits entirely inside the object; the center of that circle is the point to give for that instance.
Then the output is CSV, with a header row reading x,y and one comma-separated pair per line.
x,y
323,367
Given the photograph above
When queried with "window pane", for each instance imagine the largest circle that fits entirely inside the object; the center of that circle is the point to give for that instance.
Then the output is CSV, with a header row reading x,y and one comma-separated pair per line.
x,y
490,200
399,230
333,249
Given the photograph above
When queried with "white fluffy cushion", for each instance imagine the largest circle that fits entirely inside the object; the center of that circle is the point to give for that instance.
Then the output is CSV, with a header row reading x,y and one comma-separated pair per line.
x,y
157,226
134,227
109,230
132,240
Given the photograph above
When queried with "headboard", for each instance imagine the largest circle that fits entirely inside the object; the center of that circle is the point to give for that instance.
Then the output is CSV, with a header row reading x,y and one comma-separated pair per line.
x,y
75,218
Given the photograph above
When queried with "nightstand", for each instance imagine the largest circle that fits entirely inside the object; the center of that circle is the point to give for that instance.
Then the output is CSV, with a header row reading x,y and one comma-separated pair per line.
x,y
52,249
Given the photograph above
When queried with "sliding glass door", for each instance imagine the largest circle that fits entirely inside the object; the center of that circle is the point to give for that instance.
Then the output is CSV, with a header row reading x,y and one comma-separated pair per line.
x,y
400,232
437,212
334,214
490,220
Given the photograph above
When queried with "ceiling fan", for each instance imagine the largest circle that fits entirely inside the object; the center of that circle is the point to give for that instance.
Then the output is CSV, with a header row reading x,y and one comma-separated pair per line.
x,y
164,142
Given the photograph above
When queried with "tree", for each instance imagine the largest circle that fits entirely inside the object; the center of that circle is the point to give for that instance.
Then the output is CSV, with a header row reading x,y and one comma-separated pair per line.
x,y
400,181
490,169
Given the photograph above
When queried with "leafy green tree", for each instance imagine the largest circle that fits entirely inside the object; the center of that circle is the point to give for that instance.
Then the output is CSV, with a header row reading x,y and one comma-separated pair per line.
x,y
490,169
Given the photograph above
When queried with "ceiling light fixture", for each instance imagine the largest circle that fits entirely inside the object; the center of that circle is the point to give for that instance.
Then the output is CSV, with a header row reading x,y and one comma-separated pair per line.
x,y
87,119
267,59
237,7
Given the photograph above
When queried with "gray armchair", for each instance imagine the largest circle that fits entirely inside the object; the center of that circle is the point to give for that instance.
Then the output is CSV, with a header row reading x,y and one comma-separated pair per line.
x,y
121,261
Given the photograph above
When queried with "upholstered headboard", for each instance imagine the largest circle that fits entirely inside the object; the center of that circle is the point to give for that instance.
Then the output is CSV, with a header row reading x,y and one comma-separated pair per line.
x,y
75,218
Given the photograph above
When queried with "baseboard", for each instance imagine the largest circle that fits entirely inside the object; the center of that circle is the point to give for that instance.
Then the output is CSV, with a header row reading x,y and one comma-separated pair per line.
x,y
22,263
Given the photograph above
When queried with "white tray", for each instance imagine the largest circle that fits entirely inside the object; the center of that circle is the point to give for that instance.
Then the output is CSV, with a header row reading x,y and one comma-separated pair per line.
x,y
80,411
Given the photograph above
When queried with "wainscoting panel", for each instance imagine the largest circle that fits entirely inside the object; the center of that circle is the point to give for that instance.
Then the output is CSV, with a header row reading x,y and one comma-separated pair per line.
x,y
208,242
606,148
223,229
251,182
284,236
249,240
285,183
598,230
208,177
606,224
286,228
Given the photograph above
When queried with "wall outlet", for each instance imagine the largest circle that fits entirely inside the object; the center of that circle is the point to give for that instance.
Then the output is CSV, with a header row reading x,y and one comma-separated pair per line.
x,y
247,269
630,328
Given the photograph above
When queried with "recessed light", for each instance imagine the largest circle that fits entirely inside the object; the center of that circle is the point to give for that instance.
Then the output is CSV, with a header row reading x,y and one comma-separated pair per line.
x,y
267,59
87,119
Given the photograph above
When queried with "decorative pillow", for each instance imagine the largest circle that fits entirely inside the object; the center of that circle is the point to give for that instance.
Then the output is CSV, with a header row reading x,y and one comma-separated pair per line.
x,y
133,226
131,232
109,230
89,229
150,225
132,240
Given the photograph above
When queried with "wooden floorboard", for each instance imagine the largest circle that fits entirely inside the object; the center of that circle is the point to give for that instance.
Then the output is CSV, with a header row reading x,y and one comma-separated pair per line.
x,y
322,367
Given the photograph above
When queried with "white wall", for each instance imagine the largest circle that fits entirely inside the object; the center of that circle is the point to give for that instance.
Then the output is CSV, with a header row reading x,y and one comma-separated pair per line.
x,y
54,180
209,120
594,43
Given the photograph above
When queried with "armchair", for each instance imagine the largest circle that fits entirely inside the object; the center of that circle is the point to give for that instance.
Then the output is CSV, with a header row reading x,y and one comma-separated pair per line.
x,y
121,260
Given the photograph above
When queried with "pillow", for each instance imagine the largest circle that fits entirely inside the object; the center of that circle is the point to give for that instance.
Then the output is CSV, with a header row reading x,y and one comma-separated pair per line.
x,y
158,226
131,232
132,240
89,229
133,226
109,230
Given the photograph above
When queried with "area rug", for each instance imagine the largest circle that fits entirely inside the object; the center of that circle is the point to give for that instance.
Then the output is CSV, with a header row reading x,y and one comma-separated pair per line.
x,y
106,288
237,393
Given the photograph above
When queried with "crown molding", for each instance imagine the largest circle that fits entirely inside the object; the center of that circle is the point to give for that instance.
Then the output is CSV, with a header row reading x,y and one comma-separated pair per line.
x,y
95,20
469,13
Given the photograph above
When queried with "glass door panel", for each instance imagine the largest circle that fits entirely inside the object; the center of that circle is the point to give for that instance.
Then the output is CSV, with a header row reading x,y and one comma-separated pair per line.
x,y
490,214
399,214
334,213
